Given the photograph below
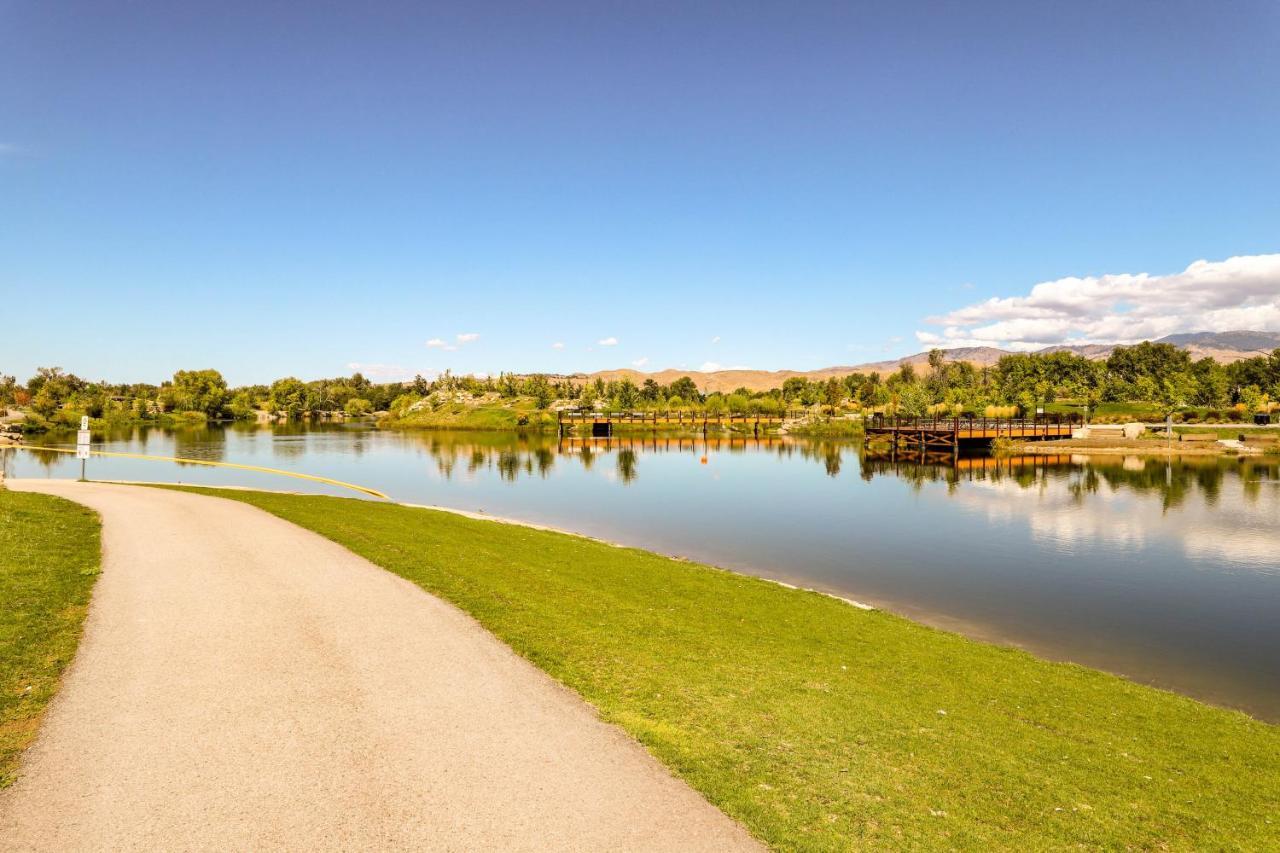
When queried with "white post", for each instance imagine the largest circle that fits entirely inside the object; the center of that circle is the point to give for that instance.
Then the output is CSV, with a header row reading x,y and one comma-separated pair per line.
x,y
82,444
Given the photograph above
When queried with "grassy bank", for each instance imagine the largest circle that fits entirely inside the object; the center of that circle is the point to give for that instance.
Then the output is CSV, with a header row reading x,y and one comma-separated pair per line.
x,y
49,556
462,416
68,419
821,726
824,427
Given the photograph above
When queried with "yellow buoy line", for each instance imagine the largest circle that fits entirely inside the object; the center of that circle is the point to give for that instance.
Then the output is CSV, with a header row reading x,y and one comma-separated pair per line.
x,y
372,492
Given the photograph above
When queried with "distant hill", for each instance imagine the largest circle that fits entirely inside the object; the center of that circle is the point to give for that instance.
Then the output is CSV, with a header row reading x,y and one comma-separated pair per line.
x,y
1225,347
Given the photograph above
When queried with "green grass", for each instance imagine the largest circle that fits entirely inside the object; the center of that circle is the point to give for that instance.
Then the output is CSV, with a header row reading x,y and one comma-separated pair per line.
x,y
518,415
825,427
49,556
821,726
1229,430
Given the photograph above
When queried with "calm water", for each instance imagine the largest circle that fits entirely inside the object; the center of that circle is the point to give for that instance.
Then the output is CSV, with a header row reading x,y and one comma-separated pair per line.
x,y
1167,573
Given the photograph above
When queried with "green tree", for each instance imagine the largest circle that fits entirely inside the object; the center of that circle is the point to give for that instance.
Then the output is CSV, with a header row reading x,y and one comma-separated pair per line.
x,y
1176,390
686,389
1251,396
793,388
45,402
626,395
242,405
289,397
1213,385
202,391
833,393
913,399
541,391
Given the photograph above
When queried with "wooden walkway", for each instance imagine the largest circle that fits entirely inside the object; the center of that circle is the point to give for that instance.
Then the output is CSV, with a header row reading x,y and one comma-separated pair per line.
x,y
953,433
672,443
602,423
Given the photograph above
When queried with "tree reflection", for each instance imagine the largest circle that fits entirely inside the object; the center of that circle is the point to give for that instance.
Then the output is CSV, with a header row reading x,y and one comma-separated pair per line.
x,y
1172,480
627,465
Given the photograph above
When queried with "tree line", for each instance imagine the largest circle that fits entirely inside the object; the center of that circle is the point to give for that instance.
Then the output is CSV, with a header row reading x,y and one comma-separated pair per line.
x,y
1157,375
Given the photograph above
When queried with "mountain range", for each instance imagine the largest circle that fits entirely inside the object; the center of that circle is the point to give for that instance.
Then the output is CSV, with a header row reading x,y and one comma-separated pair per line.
x,y
1225,347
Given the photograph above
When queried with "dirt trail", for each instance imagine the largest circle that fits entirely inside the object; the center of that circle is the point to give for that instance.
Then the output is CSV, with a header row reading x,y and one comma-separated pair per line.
x,y
246,684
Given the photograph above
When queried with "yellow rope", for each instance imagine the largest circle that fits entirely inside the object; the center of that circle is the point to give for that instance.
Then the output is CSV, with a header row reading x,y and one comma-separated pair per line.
x,y
374,492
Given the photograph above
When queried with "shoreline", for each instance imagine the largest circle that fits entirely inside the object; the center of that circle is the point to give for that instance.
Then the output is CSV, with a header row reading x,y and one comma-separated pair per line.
x,y
924,617
1135,447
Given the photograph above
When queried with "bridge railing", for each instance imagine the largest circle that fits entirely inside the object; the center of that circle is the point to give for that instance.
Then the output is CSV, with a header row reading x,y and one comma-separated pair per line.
x,y
678,417
1044,423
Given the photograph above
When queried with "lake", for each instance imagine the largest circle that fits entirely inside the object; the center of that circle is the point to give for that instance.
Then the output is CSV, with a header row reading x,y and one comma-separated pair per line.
x,y
1166,572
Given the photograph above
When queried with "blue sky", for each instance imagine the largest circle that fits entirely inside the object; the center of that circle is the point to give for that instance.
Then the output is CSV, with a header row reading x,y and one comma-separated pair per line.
x,y
282,188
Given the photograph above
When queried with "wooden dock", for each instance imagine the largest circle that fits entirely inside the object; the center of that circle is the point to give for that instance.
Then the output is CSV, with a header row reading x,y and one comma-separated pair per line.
x,y
951,434
602,423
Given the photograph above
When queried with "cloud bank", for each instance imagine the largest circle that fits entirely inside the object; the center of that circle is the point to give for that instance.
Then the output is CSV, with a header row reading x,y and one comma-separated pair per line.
x,y
1208,296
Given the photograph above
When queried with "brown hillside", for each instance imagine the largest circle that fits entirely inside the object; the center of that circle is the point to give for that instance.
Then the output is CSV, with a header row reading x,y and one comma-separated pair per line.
x,y
1225,347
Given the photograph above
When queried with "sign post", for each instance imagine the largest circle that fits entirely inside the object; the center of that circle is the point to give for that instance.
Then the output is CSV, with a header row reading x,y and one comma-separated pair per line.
x,y
82,444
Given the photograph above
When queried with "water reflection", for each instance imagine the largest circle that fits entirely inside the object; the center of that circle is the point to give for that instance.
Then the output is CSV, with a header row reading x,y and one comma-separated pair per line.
x,y
1164,570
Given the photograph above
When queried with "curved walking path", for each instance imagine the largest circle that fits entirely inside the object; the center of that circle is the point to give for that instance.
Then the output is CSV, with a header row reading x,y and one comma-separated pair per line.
x,y
246,684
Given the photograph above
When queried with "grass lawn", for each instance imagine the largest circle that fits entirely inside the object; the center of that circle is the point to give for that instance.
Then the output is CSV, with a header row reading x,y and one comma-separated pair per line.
x,y
49,557
821,726
515,415
1229,430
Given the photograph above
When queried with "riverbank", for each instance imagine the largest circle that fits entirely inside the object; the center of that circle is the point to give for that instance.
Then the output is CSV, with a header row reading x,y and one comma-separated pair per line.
x,y
34,424
49,556
1148,445
820,725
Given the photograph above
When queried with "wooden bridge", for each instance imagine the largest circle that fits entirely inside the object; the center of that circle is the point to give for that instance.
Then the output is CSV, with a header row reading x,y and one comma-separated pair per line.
x,y
953,433
947,465
602,423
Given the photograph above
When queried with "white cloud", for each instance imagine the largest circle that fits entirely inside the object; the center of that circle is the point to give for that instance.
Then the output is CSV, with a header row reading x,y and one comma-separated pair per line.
x,y
389,372
462,338
640,362
1215,296
713,366
608,342
716,339
558,345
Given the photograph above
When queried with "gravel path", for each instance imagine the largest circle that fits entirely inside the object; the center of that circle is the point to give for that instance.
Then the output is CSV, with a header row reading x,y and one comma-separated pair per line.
x,y
246,684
